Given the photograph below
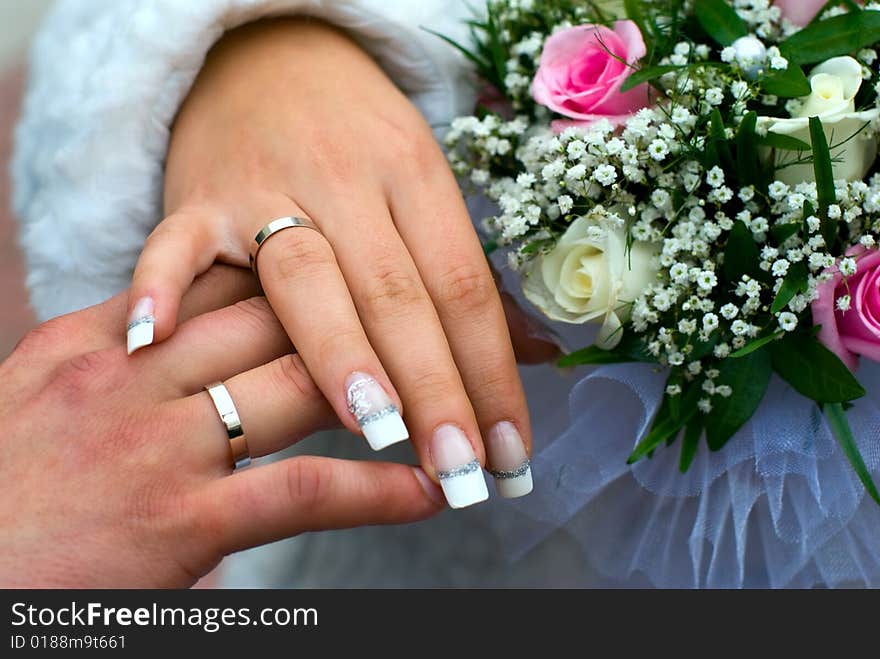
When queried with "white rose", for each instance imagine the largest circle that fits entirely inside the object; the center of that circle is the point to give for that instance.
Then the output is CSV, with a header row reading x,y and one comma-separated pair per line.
x,y
590,275
835,84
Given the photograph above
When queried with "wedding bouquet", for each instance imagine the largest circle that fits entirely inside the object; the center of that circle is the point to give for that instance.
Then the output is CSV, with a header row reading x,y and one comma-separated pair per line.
x,y
698,178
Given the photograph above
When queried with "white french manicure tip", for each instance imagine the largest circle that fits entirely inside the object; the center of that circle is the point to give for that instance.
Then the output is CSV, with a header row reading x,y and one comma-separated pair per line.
x,y
513,484
464,486
375,413
458,469
140,333
385,430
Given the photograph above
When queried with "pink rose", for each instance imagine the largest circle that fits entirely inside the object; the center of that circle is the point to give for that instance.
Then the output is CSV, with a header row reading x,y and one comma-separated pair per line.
x,y
581,73
800,12
856,331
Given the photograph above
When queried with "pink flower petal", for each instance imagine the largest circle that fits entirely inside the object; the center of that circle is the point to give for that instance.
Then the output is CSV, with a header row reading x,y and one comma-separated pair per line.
x,y
823,314
582,69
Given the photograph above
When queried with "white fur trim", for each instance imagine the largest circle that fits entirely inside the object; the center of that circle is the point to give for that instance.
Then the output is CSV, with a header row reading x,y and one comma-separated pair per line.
x,y
107,78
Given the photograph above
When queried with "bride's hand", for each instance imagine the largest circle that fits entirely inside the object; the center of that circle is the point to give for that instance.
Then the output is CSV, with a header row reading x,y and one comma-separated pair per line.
x,y
392,304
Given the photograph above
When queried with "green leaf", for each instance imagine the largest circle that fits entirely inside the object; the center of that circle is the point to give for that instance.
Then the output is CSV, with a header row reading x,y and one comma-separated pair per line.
x,y
813,370
796,281
831,37
749,348
749,377
720,21
674,402
782,142
593,355
630,349
824,172
790,83
646,74
822,165
666,426
782,232
490,246
836,416
748,165
718,137
690,443
741,256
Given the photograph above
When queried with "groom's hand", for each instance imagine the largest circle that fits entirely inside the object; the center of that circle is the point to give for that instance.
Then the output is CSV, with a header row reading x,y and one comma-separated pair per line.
x,y
117,470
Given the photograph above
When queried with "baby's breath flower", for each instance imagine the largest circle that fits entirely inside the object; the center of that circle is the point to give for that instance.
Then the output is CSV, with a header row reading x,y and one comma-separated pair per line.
x,y
722,350
605,174
658,149
707,280
724,390
565,204
710,322
780,267
787,321
847,267
715,177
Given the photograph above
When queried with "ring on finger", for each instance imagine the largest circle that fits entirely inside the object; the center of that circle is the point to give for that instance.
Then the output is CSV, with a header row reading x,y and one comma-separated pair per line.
x,y
219,394
274,227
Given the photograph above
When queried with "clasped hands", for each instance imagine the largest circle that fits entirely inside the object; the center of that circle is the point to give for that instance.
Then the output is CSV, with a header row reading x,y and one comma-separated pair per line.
x,y
117,467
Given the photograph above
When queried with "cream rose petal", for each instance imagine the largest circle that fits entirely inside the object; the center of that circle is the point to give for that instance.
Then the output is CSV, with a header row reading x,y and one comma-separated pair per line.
x,y
847,70
834,84
611,332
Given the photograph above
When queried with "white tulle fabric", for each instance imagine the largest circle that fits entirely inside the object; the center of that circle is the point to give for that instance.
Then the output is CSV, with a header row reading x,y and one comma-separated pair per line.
x,y
779,506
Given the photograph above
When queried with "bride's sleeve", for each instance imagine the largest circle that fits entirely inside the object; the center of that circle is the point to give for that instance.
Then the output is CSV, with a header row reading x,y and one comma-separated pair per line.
x,y
106,80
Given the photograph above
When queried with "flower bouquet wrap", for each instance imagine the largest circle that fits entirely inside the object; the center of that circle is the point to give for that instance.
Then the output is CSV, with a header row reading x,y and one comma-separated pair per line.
x,y
697,178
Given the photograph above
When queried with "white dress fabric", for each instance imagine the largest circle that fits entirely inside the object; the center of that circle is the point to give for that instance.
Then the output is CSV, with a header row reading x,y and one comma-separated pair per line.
x,y
777,507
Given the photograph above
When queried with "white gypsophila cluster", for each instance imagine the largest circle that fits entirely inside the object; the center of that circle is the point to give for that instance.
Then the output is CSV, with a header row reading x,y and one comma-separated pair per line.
x,y
647,176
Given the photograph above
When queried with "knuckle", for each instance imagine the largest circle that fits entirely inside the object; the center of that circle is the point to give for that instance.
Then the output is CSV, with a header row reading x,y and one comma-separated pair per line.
x,y
415,149
294,254
253,312
496,388
41,339
434,381
465,289
90,373
294,380
391,290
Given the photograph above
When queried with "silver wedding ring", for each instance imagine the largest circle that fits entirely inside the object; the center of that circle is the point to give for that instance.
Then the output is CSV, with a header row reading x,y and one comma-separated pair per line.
x,y
274,227
219,394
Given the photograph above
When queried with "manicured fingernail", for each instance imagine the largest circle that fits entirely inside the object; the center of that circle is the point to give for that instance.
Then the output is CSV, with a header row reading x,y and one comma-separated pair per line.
x,y
140,324
434,493
457,467
509,463
377,416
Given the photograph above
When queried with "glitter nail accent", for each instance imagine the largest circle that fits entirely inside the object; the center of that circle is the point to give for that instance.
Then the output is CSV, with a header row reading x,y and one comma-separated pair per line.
x,y
516,473
141,321
371,418
470,467
368,402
